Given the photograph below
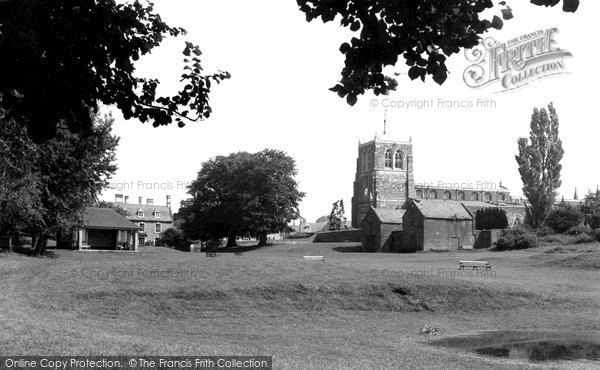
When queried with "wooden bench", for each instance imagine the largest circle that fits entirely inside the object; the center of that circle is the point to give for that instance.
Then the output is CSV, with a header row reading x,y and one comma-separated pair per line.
x,y
85,247
474,264
52,255
211,254
315,258
239,253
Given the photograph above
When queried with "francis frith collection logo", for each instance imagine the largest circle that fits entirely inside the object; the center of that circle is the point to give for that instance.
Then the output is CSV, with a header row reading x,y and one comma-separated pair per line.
x,y
515,63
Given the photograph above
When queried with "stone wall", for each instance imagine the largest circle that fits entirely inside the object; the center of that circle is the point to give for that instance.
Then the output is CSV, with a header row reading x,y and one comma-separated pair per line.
x,y
352,235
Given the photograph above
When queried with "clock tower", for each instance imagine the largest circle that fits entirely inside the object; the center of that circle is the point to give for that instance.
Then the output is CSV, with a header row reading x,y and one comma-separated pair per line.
x,y
384,176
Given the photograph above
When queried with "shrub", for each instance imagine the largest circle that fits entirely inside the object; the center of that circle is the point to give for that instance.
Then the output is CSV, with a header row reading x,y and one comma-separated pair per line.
x,y
558,239
545,231
578,230
584,238
490,218
517,238
563,218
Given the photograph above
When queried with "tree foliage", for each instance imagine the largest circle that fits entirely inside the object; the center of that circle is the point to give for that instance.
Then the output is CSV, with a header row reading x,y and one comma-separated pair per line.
x,y
424,32
591,209
564,218
114,206
46,187
337,218
539,163
490,218
63,58
242,194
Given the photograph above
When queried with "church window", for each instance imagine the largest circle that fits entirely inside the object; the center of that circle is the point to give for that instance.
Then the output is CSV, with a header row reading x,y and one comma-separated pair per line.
x,y
419,193
460,195
474,196
369,160
398,159
501,196
447,195
433,194
364,161
488,197
388,159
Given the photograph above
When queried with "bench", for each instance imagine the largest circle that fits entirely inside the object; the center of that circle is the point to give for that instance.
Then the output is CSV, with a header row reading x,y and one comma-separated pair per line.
x,y
52,255
211,254
315,258
474,264
239,253
85,247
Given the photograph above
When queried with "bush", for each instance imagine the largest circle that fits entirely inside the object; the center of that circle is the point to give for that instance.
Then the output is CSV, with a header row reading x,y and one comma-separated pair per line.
x,y
578,230
490,218
545,231
558,239
563,218
584,238
517,238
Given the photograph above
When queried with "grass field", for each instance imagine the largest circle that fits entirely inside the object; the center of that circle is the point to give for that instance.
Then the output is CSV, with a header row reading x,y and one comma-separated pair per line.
x,y
355,310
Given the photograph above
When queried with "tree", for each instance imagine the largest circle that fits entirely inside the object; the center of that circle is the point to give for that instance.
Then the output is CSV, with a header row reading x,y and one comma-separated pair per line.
x,y
424,32
323,218
591,209
563,218
539,163
242,194
63,176
63,58
337,219
172,237
490,218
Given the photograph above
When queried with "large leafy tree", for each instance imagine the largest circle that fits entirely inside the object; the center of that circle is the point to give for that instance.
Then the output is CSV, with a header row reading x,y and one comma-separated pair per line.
x,y
424,32
61,58
539,163
59,178
242,194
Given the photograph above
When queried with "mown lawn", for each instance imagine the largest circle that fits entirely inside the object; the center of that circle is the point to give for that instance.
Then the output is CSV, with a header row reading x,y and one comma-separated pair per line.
x,y
354,310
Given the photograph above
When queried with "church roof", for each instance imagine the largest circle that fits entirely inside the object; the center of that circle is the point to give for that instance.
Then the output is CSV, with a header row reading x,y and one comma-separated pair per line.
x,y
442,209
389,216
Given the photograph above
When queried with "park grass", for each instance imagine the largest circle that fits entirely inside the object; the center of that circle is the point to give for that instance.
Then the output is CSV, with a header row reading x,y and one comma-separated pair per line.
x,y
354,310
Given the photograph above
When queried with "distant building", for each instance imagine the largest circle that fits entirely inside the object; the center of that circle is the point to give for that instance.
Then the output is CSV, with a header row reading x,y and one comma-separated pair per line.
x,y
382,230
151,219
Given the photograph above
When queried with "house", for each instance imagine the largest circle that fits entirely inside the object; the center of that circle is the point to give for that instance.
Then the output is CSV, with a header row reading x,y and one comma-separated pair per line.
x,y
151,219
436,224
105,229
382,230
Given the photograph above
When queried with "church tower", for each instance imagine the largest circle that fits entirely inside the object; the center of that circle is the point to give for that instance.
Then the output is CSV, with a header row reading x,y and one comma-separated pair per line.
x,y
384,176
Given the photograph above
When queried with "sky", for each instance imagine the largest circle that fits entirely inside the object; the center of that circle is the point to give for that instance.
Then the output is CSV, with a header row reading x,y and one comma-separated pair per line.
x,y
278,98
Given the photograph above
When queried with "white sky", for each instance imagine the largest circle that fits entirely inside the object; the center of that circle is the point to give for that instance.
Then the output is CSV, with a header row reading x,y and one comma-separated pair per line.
x,y
278,97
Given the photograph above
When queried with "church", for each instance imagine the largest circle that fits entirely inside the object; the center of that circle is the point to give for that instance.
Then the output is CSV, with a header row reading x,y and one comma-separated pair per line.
x,y
396,214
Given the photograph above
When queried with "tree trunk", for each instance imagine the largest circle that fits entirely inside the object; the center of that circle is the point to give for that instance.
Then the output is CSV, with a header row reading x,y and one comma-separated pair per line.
x,y
41,244
231,241
263,239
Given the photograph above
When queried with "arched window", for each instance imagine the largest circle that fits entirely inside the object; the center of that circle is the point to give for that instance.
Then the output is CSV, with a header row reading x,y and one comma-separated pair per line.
x,y
474,196
447,195
488,197
369,160
501,196
419,193
433,194
460,195
388,159
398,159
364,160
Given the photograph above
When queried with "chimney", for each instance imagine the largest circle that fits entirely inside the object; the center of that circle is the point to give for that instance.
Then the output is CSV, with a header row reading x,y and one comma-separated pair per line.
x,y
149,201
127,199
168,201
140,200
118,198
